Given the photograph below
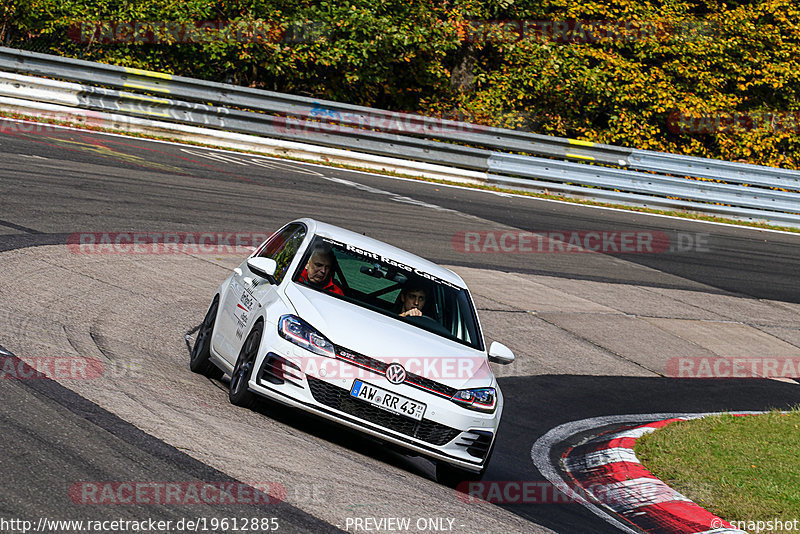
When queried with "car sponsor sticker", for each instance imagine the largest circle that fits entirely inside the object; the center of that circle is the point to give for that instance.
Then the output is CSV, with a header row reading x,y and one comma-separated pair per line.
x,y
370,256
244,305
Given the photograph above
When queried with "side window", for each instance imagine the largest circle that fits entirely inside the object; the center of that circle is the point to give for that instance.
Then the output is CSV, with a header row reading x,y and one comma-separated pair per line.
x,y
282,248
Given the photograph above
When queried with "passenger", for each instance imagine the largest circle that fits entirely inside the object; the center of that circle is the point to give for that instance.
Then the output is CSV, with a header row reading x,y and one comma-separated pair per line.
x,y
318,272
412,301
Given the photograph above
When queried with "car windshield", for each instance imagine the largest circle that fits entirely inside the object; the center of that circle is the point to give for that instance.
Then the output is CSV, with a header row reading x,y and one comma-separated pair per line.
x,y
372,281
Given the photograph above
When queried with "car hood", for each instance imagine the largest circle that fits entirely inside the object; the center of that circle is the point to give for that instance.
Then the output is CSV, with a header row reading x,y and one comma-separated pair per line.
x,y
378,336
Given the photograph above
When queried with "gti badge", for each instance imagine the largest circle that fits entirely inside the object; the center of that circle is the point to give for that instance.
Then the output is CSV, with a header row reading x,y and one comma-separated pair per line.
x,y
395,373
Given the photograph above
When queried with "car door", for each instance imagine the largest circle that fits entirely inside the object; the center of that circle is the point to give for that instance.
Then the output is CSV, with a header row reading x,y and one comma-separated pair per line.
x,y
248,292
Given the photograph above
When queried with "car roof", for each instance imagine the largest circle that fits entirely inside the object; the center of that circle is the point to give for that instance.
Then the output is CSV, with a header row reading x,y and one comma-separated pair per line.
x,y
384,249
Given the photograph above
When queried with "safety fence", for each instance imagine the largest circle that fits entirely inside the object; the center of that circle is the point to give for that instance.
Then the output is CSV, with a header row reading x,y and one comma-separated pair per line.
x,y
501,157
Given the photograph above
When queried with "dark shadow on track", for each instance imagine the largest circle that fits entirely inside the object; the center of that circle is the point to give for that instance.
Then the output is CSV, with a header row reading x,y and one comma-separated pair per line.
x,y
544,402
66,440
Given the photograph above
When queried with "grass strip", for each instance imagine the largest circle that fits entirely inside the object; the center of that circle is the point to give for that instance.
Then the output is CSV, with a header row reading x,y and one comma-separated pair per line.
x,y
740,468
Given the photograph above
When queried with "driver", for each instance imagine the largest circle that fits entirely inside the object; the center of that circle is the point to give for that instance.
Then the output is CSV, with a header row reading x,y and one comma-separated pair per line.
x,y
318,272
412,300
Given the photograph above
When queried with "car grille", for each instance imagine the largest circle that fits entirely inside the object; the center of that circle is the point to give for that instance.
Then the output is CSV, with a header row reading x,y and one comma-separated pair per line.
x,y
414,380
340,399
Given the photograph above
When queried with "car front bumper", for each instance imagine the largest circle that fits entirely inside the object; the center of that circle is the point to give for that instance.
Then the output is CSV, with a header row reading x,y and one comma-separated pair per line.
x,y
447,432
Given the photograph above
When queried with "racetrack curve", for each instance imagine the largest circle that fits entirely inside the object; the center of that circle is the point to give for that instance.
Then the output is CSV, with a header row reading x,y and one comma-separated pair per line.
x,y
593,332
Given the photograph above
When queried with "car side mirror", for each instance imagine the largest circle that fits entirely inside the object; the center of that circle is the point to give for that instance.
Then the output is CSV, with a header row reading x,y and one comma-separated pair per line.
x,y
263,267
499,353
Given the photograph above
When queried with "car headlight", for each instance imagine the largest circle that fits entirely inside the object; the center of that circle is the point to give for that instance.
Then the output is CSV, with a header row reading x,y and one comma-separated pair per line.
x,y
299,332
479,399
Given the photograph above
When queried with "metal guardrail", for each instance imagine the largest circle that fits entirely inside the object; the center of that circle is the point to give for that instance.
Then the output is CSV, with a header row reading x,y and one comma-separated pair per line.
x,y
712,169
220,94
249,122
640,182
669,180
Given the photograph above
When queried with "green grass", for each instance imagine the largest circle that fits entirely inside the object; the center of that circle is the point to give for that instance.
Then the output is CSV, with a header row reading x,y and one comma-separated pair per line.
x,y
692,215
739,468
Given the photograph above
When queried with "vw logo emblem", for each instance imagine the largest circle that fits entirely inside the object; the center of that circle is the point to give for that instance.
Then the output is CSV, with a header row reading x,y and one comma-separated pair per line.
x,y
395,373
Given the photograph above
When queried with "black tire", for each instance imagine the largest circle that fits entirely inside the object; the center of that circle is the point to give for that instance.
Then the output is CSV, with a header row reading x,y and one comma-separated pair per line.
x,y
199,358
238,394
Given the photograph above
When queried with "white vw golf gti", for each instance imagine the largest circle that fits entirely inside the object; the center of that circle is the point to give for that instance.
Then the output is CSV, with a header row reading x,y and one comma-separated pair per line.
x,y
361,333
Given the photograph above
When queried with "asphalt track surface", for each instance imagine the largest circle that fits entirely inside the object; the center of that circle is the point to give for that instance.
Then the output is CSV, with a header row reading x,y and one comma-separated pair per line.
x,y
55,183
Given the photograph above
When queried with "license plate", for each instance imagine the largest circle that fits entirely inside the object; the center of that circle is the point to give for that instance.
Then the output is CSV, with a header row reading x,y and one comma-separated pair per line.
x,y
391,402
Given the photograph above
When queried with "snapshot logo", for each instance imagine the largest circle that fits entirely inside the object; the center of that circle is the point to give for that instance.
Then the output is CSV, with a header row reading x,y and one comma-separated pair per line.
x,y
576,241
762,525
176,493
194,32
719,367
681,122
165,242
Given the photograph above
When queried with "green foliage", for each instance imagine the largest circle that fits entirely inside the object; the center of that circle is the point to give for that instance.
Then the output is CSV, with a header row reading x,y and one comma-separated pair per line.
x,y
653,75
740,468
